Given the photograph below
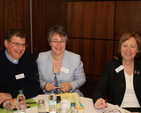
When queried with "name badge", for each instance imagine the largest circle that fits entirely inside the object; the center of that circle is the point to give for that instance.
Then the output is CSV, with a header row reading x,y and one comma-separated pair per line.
x,y
64,70
118,69
19,76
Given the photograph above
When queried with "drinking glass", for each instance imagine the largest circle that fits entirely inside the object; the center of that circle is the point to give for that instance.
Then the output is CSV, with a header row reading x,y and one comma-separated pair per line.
x,y
64,110
8,107
41,106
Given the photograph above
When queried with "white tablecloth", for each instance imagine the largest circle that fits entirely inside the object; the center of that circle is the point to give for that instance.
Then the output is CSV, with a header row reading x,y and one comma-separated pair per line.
x,y
87,103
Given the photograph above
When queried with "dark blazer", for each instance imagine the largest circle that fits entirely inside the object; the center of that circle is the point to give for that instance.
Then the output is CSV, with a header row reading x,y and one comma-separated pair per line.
x,y
114,83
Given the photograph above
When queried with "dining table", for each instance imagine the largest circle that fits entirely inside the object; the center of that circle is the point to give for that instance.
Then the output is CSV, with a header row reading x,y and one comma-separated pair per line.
x,y
87,103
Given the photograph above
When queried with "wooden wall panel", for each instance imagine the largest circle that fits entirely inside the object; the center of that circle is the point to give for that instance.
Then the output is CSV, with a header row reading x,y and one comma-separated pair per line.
x,y
16,14
46,13
128,17
94,55
90,28
94,27
90,19
116,49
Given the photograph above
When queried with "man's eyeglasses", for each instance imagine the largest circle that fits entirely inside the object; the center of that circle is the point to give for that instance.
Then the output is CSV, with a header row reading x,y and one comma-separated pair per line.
x,y
112,111
56,42
18,44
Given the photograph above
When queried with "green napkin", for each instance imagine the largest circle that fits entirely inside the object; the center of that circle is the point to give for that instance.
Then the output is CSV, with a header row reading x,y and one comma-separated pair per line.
x,y
32,103
2,110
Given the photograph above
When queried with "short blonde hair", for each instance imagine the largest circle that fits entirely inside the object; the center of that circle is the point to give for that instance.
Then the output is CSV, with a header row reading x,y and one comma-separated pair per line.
x,y
127,36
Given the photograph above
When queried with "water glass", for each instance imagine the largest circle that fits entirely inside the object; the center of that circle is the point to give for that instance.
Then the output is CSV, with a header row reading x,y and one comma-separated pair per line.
x,y
64,110
8,107
41,106
65,105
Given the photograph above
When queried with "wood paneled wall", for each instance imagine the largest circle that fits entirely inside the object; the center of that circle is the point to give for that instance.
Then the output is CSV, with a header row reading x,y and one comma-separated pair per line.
x,y
46,13
14,14
127,18
90,19
90,28
94,27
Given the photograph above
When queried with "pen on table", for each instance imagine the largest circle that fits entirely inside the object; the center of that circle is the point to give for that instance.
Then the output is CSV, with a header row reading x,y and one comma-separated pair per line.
x,y
105,103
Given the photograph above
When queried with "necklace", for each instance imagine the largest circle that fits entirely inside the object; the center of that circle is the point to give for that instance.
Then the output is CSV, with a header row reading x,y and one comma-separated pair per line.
x,y
128,66
128,69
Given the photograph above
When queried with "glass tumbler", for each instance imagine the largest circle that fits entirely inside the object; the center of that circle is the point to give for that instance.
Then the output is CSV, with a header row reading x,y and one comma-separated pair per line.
x,y
8,107
41,106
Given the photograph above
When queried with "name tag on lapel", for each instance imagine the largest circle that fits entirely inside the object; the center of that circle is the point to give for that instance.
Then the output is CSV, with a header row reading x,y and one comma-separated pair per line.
x,y
64,70
118,69
19,76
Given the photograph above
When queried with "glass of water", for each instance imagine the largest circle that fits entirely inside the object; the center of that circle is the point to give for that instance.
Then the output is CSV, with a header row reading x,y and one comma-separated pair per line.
x,y
8,107
41,106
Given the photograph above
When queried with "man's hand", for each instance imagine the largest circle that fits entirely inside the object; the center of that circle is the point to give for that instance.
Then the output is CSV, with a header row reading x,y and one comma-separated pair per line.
x,y
4,96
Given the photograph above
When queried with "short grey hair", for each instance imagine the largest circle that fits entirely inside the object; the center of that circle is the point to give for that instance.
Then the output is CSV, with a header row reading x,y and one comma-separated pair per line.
x,y
58,29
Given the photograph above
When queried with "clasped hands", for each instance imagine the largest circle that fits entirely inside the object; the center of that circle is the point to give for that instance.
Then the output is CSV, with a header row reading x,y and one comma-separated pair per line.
x,y
65,87
100,104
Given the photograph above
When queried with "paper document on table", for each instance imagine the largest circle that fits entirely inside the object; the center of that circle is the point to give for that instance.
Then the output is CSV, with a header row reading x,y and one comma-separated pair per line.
x,y
112,109
73,97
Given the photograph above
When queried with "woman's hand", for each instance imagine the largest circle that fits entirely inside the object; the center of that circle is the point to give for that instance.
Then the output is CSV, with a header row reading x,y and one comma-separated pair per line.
x,y
65,87
100,104
48,86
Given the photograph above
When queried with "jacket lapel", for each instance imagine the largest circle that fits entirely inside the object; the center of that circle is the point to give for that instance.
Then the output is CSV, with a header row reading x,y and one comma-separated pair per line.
x,y
50,67
120,74
136,73
65,65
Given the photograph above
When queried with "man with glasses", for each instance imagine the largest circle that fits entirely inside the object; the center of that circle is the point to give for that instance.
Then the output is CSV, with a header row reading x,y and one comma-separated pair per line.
x,y
18,69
